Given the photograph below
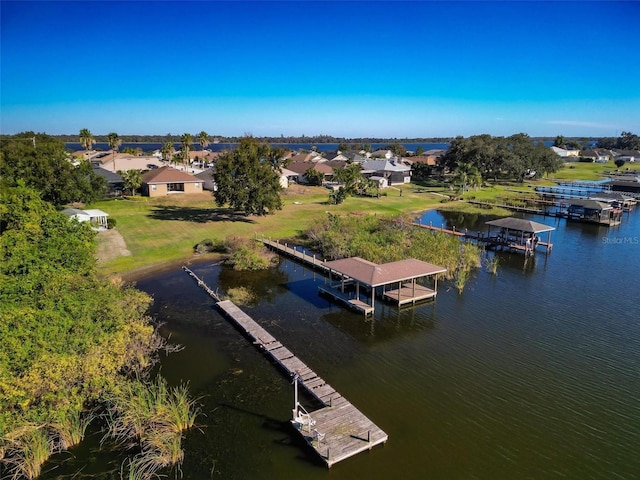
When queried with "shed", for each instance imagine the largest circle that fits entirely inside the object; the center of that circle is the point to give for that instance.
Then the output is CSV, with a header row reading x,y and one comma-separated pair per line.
x,y
97,218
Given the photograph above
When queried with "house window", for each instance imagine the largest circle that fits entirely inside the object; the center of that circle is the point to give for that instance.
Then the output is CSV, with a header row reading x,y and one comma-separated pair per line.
x,y
154,187
197,185
175,187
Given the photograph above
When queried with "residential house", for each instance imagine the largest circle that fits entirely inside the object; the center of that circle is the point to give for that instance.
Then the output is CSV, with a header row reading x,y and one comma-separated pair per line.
x,y
208,182
168,181
588,156
305,157
627,155
123,162
115,183
300,169
565,153
382,153
396,172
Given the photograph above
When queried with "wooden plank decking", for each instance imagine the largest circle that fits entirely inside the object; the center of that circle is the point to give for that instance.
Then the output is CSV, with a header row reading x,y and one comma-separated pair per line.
x,y
409,294
353,303
339,429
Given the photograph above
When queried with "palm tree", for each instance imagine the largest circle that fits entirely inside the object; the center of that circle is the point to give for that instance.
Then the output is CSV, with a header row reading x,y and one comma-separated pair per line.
x,y
167,151
203,139
114,142
468,175
86,139
132,180
187,140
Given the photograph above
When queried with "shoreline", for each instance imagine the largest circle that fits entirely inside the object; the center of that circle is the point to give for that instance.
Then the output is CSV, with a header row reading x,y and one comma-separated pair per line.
x,y
141,273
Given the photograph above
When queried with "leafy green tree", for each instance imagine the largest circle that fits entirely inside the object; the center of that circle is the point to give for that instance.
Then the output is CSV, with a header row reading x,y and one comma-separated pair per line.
x,y
628,141
350,176
419,150
559,141
47,169
468,176
336,197
86,139
421,170
114,142
313,176
510,157
619,163
248,178
398,149
67,335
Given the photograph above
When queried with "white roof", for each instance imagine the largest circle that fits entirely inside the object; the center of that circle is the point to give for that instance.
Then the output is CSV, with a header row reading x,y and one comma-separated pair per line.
x,y
96,213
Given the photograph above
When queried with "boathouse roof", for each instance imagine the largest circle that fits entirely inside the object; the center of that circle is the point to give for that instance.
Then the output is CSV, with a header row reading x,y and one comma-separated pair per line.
x,y
374,275
589,204
520,224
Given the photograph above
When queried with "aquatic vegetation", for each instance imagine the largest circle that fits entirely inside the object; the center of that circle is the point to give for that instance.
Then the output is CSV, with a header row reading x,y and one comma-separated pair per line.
x,y
26,450
380,241
245,254
491,264
152,417
240,295
70,430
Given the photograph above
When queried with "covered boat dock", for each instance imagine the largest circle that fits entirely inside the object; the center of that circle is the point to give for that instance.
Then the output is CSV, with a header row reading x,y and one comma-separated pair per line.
x,y
518,234
397,282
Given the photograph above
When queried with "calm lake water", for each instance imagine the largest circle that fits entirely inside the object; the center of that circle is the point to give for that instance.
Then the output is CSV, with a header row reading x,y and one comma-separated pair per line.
x,y
533,373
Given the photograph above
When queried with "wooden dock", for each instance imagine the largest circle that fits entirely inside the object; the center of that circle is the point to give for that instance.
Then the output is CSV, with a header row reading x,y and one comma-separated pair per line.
x,y
353,303
309,260
336,431
409,294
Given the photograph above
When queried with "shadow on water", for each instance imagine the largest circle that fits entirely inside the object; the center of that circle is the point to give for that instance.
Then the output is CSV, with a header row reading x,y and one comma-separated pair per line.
x,y
198,215
388,324
307,289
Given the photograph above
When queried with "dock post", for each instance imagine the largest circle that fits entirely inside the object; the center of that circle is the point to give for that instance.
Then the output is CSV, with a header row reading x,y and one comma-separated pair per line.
x,y
369,436
328,453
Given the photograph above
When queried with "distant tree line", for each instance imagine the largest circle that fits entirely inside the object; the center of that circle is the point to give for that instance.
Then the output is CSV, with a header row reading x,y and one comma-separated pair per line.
x,y
319,139
626,141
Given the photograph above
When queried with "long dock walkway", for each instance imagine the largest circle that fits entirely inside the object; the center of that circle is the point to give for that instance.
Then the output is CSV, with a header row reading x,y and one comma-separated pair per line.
x,y
336,431
309,260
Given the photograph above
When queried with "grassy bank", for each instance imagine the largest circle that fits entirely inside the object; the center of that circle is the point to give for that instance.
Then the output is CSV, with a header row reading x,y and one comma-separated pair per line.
x,y
166,229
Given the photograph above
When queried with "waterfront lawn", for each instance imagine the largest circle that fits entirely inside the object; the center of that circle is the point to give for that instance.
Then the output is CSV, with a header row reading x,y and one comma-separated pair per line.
x,y
590,171
162,229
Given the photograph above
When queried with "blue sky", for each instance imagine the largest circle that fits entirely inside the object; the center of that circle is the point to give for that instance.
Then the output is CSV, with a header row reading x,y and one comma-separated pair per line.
x,y
363,68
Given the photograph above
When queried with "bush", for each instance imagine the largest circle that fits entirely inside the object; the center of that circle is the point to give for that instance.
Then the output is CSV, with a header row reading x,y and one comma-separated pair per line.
x,y
248,254
111,223
208,246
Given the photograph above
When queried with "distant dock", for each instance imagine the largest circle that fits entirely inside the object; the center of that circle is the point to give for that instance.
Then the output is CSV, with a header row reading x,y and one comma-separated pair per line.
x,y
336,431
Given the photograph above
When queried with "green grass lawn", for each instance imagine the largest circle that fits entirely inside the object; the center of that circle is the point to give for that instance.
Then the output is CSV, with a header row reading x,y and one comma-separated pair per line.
x,y
159,230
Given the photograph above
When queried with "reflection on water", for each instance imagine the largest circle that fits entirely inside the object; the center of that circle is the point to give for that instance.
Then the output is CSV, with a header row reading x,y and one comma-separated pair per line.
x,y
530,373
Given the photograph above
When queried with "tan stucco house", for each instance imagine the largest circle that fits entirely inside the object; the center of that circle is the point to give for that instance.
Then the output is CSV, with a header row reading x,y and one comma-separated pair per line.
x,y
168,181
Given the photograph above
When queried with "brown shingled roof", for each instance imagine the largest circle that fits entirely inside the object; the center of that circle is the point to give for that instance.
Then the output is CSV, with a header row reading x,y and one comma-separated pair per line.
x,y
168,175
374,275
